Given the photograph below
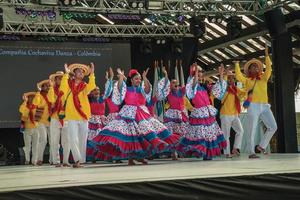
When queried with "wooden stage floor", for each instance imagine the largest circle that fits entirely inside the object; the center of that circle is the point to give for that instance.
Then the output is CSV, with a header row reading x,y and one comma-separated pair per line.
x,y
14,178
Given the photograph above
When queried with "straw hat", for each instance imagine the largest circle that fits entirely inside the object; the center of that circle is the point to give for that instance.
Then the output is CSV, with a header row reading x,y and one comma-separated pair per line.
x,y
85,68
253,61
39,84
27,94
56,74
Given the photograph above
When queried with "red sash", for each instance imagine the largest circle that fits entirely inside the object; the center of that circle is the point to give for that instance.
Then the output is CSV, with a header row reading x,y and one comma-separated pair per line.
x,y
44,95
255,76
75,91
58,106
232,89
31,107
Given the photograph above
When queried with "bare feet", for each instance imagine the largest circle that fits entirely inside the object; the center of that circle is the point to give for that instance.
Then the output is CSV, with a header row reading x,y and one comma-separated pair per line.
x,y
174,157
143,161
261,150
39,163
131,162
229,156
77,165
66,165
235,152
58,165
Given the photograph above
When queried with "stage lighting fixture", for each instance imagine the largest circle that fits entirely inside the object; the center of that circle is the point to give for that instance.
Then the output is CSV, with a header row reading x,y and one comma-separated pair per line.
x,y
139,4
215,19
197,26
234,26
158,41
69,2
163,41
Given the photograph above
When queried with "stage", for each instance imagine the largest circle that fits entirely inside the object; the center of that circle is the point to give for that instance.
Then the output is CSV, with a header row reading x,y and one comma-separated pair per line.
x,y
270,177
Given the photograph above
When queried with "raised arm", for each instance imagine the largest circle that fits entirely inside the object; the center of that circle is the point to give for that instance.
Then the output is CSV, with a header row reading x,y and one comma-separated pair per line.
x,y
268,71
147,85
64,85
238,74
163,86
92,83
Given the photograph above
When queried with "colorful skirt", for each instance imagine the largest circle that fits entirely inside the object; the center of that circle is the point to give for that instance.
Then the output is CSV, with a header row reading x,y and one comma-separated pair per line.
x,y
96,123
204,137
176,121
126,138
110,117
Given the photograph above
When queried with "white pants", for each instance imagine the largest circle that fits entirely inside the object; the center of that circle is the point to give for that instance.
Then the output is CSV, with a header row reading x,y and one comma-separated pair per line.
x,y
256,112
31,141
228,122
42,132
78,133
59,133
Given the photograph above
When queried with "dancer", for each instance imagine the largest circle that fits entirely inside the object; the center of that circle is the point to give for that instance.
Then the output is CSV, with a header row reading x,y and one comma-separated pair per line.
x,y
77,111
256,83
30,134
98,119
134,133
176,116
58,130
204,137
230,111
42,116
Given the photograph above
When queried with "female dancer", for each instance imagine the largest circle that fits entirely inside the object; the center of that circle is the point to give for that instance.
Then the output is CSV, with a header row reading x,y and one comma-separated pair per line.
x,y
134,133
204,138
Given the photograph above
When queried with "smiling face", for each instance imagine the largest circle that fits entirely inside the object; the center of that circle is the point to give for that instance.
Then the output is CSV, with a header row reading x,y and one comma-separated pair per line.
x,y
57,80
231,79
45,87
174,84
30,99
253,69
200,75
136,80
96,92
78,74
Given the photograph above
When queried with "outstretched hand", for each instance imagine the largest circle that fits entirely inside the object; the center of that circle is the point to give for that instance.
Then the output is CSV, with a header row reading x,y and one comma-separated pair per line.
x,y
92,68
145,73
164,71
67,70
111,73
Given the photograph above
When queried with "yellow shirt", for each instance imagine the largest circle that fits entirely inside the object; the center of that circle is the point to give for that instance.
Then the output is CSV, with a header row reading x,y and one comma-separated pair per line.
x,y
260,94
52,97
187,104
71,112
40,102
25,116
228,102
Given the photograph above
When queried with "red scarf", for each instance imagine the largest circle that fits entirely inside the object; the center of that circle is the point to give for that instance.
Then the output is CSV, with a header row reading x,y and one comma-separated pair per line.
x,y
44,95
232,89
75,91
255,76
58,106
31,107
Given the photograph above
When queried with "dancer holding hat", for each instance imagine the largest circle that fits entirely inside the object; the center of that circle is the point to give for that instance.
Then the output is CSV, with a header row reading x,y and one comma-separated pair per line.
x,y
77,109
256,83
30,134
58,130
